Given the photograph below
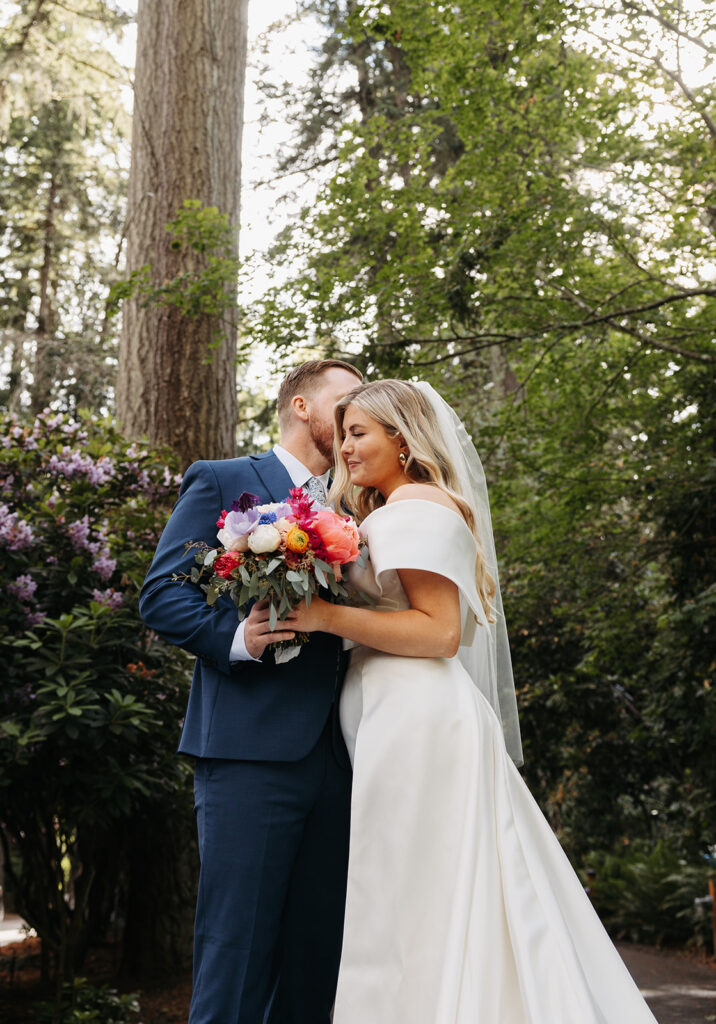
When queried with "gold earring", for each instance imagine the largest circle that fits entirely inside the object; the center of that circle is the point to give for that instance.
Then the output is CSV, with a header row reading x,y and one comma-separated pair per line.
x,y
402,459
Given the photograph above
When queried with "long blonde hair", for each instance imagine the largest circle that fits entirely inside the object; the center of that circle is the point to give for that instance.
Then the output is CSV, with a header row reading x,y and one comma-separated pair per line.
x,y
403,411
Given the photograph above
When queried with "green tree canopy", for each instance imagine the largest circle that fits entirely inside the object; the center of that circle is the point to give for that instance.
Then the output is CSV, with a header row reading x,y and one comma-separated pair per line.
x,y
63,158
518,204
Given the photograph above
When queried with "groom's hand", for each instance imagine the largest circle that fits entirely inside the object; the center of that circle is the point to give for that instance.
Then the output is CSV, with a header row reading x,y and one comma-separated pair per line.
x,y
257,632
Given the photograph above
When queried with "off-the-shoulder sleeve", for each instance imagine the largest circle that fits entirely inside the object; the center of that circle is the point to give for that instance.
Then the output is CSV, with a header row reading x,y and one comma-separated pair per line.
x,y
420,534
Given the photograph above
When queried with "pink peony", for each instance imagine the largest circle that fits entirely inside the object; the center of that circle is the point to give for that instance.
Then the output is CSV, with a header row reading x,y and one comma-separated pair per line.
x,y
339,535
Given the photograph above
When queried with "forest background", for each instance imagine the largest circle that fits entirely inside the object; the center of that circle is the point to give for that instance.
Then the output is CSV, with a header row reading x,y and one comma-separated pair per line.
x,y
514,201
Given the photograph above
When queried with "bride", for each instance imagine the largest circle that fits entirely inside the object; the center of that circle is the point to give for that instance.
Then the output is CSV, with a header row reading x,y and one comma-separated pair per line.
x,y
462,907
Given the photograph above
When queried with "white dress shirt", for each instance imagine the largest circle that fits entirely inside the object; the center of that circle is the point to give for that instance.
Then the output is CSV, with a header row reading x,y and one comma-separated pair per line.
x,y
299,475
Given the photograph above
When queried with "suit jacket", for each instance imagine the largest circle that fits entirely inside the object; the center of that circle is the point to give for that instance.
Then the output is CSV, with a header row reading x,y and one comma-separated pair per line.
x,y
243,710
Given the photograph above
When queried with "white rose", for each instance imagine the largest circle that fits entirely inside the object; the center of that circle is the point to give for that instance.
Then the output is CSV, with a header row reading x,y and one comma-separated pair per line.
x,y
233,541
264,538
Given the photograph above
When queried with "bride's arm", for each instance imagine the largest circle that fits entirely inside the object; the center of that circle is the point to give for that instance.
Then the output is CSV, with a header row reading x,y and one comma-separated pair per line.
x,y
430,628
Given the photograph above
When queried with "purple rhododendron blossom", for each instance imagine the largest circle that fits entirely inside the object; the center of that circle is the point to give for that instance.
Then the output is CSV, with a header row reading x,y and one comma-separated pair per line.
x,y
105,566
79,532
110,597
23,587
14,532
71,463
101,471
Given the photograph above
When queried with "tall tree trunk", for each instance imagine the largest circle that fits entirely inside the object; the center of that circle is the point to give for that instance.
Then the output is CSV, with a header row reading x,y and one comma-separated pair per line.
x,y
43,363
163,867
186,144
17,335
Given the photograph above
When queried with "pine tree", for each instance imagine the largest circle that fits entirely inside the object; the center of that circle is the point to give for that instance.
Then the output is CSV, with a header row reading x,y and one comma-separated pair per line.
x,y
177,379
62,129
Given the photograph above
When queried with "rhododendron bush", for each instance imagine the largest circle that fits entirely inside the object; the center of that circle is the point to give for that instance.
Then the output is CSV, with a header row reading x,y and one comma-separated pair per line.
x,y
91,701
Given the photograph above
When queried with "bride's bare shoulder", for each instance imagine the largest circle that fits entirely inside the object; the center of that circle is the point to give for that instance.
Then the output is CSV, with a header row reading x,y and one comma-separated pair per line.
x,y
424,492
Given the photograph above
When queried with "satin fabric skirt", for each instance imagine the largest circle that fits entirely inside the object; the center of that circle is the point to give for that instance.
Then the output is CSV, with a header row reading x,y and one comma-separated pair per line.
x,y
462,908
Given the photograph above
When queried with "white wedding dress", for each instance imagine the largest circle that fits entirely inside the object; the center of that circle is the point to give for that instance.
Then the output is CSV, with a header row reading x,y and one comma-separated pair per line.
x,y
462,907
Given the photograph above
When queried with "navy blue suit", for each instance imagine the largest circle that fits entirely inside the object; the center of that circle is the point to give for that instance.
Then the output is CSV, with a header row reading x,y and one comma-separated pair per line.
x,y
272,781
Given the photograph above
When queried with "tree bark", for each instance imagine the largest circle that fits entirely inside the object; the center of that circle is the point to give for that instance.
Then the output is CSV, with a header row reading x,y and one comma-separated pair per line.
x,y
42,371
163,867
186,144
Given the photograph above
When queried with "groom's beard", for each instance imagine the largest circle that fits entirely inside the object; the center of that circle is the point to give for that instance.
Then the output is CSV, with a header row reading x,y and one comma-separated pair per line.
x,y
322,436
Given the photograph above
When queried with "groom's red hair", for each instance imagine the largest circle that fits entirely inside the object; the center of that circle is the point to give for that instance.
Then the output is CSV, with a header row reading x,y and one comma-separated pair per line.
x,y
305,379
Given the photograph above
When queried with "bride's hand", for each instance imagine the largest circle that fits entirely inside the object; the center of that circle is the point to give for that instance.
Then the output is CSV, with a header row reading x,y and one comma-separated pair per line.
x,y
310,618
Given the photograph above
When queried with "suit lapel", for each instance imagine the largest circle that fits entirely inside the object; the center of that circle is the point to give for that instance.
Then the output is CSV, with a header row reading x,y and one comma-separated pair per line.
x,y
273,475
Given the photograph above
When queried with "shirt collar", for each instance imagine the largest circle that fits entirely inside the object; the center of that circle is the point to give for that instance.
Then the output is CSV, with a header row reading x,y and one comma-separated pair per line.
x,y
295,468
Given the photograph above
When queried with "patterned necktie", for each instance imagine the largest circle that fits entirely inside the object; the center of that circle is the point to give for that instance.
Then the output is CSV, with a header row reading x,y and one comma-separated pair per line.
x,y
316,491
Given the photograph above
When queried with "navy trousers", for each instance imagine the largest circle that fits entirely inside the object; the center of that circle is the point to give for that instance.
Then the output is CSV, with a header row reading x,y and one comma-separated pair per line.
x,y
273,840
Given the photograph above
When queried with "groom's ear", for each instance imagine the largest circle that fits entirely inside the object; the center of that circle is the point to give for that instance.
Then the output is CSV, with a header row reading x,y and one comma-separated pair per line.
x,y
299,407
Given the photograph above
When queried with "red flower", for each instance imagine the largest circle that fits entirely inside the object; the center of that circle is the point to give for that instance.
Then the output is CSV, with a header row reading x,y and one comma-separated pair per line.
x,y
221,521
225,564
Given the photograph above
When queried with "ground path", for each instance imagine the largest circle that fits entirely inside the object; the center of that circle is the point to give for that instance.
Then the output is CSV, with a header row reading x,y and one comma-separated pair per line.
x,y
678,988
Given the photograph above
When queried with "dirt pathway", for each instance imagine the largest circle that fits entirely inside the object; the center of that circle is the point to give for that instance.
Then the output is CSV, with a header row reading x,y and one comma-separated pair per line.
x,y
678,989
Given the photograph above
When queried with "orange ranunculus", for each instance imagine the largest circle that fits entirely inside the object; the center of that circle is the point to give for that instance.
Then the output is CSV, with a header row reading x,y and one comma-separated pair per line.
x,y
297,540
339,535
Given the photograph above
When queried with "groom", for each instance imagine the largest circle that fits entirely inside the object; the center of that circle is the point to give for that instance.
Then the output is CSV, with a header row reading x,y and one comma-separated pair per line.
x,y
272,781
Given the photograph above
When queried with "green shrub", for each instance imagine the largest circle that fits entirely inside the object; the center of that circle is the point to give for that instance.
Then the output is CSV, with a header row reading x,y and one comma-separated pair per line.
x,y
647,894
82,1003
92,701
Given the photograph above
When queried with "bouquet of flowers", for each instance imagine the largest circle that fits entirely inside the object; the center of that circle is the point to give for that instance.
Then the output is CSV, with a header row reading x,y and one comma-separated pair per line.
x,y
281,552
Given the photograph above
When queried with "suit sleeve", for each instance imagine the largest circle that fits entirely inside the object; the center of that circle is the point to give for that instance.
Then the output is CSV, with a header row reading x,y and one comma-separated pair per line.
x,y
179,612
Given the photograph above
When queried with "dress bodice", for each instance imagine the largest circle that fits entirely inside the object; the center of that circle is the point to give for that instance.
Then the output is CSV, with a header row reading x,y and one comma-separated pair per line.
x,y
418,534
